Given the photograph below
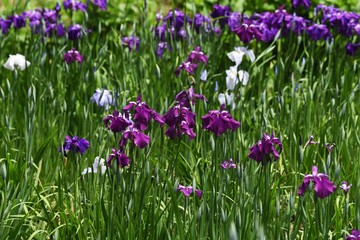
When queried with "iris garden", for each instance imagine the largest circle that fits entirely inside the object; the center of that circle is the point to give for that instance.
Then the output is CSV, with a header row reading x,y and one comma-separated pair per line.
x,y
202,120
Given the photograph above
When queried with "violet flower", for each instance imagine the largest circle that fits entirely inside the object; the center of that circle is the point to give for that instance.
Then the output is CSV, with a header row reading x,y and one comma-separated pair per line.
x,y
131,42
318,31
228,164
181,120
5,24
73,56
352,48
297,3
19,21
102,4
74,32
323,187
187,191
220,12
136,136
161,47
116,122
74,5
187,66
142,114
218,121
120,157
197,56
261,151
74,144
102,98
187,98
345,187
176,18
330,147
355,235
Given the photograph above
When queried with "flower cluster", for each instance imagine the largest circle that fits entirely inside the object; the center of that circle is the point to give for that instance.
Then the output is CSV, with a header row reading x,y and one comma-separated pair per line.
x,y
48,21
219,121
323,187
191,63
264,148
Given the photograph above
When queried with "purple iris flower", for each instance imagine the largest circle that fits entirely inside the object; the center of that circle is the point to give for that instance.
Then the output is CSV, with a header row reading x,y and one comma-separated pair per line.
x,y
187,191
295,24
5,24
102,4
176,18
219,121
351,48
187,66
136,136
221,13
116,122
19,21
74,144
160,32
73,56
50,16
323,187
330,147
181,120
142,114
318,31
187,97
261,151
345,187
247,32
34,17
234,20
199,21
355,235
305,3
74,5
74,32
161,47
120,157
228,164
131,42
197,56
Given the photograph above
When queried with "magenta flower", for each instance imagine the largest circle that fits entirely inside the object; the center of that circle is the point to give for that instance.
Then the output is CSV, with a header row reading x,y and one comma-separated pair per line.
x,y
186,66
73,56
218,121
116,122
187,97
74,144
187,191
197,56
181,120
345,187
142,114
261,151
120,157
323,187
355,235
228,164
136,136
